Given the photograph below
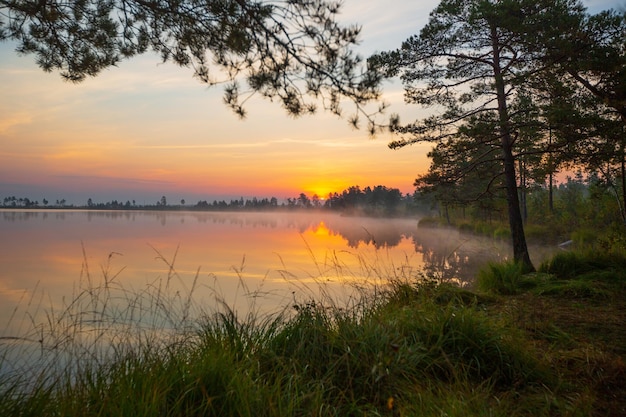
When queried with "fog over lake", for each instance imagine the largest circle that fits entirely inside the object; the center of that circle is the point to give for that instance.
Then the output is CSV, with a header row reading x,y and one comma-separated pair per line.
x,y
276,253
72,279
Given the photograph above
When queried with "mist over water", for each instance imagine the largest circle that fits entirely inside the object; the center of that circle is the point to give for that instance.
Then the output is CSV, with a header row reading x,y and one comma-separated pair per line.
x,y
49,250
153,270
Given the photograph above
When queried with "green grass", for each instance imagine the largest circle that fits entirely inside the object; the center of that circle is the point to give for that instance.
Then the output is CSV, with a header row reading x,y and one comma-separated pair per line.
x,y
502,278
573,264
514,347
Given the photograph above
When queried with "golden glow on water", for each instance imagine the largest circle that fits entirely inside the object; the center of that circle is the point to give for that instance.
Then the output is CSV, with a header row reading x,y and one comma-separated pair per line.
x,y
321,230
265,259
45,250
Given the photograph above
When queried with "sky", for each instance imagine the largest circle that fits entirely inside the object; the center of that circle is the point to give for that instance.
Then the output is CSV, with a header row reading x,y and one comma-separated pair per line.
x,y
144,129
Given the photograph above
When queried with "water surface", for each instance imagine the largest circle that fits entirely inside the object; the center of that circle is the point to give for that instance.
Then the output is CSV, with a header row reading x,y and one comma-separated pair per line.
x,y
78,286
49,256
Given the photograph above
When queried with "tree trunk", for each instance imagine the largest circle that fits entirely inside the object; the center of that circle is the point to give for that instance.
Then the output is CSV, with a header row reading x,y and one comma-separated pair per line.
x,y
516,224
522,193
623,189
550,175
551,195
623,166
520,248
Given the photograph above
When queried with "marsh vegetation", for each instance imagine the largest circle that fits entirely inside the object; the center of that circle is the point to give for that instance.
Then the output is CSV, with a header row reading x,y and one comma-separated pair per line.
x,y
549,343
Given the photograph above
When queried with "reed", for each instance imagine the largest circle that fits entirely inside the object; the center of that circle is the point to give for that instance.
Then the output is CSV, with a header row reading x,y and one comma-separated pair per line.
x,y
502,278
406,346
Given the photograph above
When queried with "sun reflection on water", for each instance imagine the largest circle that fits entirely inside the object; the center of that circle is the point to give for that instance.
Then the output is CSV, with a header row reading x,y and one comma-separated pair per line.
x,y
75,274
202,261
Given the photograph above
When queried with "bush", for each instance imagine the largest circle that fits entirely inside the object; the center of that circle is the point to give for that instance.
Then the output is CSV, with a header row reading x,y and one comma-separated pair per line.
x,y
544,233
572,264
501,278
429,221
453,340
584,238
502,233
466,227
565,265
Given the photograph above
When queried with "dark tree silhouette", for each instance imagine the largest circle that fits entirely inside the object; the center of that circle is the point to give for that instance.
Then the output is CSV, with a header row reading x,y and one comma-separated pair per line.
x,y
470,63
294,51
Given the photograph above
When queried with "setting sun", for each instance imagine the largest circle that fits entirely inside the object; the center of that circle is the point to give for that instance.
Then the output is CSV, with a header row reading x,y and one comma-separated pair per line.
x,y
140,131
323,189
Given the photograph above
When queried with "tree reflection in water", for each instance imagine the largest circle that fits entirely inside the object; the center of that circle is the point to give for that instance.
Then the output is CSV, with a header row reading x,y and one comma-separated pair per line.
x,y
447,254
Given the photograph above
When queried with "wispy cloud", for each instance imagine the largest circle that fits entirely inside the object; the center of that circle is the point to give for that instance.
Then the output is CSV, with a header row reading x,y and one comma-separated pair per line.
x,y
112,181
328,143
14,119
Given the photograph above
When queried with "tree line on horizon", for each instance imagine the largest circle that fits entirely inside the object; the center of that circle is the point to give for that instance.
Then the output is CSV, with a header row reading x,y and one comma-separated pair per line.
x,y
380,200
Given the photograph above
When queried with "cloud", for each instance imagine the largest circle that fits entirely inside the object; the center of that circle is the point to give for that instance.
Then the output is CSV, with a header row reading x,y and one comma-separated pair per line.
x,y
329,143
111,182
14,119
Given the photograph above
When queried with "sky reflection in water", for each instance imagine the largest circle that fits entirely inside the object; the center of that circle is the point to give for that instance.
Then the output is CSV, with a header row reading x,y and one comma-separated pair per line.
x,y
281,258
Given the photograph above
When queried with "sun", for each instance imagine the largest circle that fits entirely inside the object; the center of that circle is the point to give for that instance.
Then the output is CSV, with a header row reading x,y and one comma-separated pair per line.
x,y
322,189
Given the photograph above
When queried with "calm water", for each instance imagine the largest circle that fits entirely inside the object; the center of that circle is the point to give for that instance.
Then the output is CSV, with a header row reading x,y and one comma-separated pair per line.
x,y
74,279
55,253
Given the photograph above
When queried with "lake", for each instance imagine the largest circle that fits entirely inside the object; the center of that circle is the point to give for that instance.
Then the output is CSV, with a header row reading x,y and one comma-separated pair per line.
x,y
156,269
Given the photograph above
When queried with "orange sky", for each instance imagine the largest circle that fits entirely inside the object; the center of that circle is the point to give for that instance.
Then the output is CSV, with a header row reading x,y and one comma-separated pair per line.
x,y
143,130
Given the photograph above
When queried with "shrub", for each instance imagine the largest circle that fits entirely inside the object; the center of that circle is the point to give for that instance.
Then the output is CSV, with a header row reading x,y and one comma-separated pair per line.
x,y
565,265
502,233
584,238
548,234
466,227
572,264
429,221
455,342
501,278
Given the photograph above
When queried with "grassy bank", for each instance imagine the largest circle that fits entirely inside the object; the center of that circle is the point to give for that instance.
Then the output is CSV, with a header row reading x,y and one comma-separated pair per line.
x,y
547,344
550,233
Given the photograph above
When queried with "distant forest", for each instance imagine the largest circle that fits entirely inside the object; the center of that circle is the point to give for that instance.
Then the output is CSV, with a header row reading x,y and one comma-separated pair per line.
x,y
378,200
